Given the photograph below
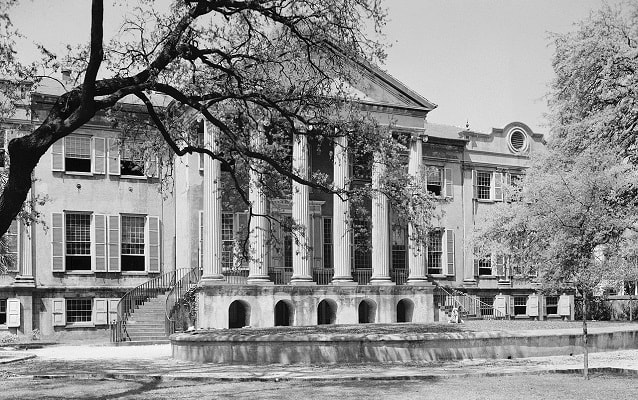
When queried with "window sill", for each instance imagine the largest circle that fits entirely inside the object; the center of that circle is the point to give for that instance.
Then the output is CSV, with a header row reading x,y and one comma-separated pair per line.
x,y
136,177
488,277
78,173
486,200
134,273
79,272
79,325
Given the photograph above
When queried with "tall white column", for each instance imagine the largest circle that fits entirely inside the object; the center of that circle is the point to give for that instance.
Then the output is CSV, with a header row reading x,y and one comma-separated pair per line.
x,y
212,246
342,241
416,251
259,224
380,227
25,257
301,267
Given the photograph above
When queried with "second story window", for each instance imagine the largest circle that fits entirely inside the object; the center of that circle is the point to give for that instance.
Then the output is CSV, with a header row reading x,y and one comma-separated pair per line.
x,y
78,242
131,164
435,180
483,185
77,153
133,243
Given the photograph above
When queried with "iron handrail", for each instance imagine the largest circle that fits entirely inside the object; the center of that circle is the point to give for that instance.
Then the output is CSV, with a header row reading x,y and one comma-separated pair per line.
x,y
184,279
478,304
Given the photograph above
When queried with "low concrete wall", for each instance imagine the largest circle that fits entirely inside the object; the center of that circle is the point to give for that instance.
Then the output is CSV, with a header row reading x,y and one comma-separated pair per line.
x,y
243,348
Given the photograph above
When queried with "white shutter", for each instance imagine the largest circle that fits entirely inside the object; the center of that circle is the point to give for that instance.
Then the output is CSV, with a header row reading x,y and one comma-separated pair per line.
x,y
114,243
474,188
449,184
152,245
57,155
498,186
12,238
59,312
532,305
57,242
100,311
99,155
99,243
151,167
112,308
449,239
113,151
13,313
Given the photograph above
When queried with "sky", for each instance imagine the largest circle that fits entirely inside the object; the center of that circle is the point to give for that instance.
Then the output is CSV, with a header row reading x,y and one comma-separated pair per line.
x,y
483,62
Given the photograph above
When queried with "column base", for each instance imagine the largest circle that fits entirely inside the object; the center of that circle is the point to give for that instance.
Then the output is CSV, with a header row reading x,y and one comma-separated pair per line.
x,y
24,281
386,281
343,281
302,280
263,280
212,280
418,282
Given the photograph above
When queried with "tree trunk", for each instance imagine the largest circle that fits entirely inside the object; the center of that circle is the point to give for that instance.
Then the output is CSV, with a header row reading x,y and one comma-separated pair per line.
x,y
631,307
585,350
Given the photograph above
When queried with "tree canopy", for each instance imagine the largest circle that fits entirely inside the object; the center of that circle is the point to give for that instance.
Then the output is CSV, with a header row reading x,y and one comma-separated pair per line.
x,y
270,66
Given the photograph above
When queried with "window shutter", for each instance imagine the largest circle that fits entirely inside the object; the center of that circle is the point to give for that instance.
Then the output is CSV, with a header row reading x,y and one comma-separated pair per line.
x,y
200,247
510,310
532,305
100,311
152,240
99,243
112,308
498,186
99,156
474,189
12,238
57,155
13,313
114,243
500,266
151,167
476,266
113,156
57,242
59,312
449,236
449,184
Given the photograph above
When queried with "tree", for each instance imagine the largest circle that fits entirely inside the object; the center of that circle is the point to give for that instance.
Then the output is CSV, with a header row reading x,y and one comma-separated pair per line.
x,y
272,66
594,96
568,222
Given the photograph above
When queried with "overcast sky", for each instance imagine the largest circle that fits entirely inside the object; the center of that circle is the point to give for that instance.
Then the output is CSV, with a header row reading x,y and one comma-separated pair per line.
x,y
483,61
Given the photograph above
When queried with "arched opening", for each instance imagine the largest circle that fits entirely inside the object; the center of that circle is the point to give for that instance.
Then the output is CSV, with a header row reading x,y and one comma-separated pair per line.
x,y
326,312
283,314
238,314
367,311
405,309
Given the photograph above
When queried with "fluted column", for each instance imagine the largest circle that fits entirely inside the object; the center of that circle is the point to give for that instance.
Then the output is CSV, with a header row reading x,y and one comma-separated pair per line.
x,y
301,267
380,227
212,246
259,224
341,215
25,256
416,251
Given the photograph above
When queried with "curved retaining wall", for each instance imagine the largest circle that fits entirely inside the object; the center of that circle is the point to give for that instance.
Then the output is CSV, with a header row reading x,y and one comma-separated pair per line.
x,y
243,348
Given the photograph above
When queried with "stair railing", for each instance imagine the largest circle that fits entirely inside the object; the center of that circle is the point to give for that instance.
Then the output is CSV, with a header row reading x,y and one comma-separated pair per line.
x,y
135,298
185,280
469,305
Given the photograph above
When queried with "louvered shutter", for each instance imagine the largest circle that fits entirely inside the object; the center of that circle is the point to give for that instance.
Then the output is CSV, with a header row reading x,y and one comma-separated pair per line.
x,y
13,313
500,266
57,242
99,156
449,183
59,312
57,155
112,308
114,244
474,188
99,243
113,153
476,266
498,186
152,248
449,238
100,311
532,305
12,238
151,167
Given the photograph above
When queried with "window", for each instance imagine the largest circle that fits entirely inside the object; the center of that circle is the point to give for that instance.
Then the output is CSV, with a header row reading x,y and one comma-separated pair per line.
x,y
78,241
133,243
77,153
520,305
517,141
483,185
228,241
361,166
79,310
361,251
10,250
434,180
287,239
485,265
131,162
435,252
398,249
3,311
551,304
327,242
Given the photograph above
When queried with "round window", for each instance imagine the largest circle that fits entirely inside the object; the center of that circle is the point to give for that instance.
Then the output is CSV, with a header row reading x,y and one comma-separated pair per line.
x,y
517,141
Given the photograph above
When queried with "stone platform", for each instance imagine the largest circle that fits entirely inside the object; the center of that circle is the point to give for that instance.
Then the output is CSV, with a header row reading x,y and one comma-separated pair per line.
x,y
245,346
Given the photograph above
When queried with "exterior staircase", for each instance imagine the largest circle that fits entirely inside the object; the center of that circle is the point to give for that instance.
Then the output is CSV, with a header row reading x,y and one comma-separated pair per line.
x,y
148,321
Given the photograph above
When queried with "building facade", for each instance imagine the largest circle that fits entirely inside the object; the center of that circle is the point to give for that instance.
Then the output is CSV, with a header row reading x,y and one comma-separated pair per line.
x,y
111,226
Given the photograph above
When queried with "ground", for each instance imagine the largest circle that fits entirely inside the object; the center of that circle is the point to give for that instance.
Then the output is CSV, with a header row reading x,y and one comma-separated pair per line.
x,y
91,371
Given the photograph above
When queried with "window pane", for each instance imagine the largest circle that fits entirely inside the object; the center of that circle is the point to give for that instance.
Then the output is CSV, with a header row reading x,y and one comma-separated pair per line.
x,y
78,241
228,240
79,310
435,252
77,147
132,235
327,243
483,185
